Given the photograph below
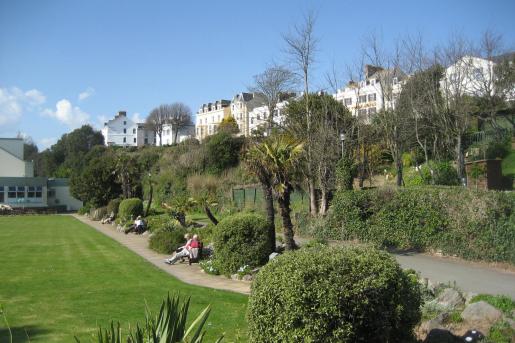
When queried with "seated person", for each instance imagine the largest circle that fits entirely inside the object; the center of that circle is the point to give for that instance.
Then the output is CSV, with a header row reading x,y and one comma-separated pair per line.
x,y
138,227
109,219
185,250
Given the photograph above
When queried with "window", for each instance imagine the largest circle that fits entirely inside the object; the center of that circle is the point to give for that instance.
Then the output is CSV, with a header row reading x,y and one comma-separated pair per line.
x,y
124,130
251,120
124,140
395,80
35,192
348,101
2,199
134,140
51,193
371,111
372,97
362,98
362,112
146,140
11,193
20,192
133,130
258,117
373,82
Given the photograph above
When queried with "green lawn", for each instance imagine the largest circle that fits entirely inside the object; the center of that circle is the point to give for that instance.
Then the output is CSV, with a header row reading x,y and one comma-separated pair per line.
x,y
60,278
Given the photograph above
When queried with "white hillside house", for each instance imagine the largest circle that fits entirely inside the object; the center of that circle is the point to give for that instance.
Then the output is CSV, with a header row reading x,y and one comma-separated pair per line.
x,y
379,90
122,131
169,134
258,117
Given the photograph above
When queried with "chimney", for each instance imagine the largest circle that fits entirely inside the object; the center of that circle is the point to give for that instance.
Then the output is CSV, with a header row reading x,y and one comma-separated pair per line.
x,y
122,113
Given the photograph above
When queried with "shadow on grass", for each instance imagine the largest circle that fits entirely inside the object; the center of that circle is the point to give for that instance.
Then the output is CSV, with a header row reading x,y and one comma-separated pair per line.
x,y
22,334
403,252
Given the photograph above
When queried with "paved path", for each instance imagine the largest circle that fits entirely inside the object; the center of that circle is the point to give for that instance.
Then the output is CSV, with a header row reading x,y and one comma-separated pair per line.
x,y
189,274
468,276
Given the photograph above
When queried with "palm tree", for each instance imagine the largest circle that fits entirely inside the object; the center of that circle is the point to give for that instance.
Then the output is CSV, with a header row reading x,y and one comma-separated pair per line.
x,y
254,163
280,157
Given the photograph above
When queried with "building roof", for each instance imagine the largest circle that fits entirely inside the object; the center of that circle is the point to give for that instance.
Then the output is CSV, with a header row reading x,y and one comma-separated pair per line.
x,y
23,181
58,182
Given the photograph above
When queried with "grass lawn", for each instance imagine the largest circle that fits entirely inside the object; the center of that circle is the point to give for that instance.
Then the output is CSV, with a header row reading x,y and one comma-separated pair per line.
x,y
60,278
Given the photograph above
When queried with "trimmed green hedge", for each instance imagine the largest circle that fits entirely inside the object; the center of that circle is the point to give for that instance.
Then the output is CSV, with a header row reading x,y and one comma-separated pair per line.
x,y
114,206
241,240
130,208
471,224
334,294
166,240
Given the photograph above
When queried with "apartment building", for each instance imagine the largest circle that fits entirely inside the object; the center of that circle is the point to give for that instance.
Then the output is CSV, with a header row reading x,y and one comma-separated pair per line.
x,y
242,105
209,117
19,187
379,90
122,131
258,117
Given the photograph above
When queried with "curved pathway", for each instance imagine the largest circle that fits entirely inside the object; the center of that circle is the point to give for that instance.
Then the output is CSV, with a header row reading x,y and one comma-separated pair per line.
x,y
188,274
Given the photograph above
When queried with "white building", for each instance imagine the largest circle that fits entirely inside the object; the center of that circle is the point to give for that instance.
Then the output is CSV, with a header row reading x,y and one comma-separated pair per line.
x,y
122,131
19,187
379,90
258,117
169,138
241,106
209,117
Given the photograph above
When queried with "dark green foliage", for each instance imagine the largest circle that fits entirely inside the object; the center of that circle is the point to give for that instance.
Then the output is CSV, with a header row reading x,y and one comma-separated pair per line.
x,y
67,155
159,221
239,240
443,173
344,173
167,239
333,295
96,183
130,208
223,151
113,206
471,224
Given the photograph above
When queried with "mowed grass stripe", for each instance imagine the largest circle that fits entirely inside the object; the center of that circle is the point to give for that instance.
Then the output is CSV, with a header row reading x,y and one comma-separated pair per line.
x,y
60,278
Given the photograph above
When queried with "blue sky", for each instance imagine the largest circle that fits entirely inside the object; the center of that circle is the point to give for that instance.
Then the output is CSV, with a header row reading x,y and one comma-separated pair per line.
x,y
65,63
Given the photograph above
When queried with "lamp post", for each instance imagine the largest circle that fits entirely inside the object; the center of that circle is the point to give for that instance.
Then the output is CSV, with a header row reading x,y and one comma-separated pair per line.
x,y
342,139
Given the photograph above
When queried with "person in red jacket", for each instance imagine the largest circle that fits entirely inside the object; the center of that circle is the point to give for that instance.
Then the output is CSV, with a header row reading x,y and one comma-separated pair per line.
x,y
185,250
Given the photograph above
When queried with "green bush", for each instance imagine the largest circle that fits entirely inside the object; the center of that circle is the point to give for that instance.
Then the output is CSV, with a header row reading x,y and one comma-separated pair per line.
x,y
114,206
241,240
223,151
157,222
458,221
333,295
167,239
436,173
130,208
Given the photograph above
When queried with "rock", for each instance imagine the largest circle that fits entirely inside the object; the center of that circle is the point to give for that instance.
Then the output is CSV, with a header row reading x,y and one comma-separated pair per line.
x,y
481,316
436,323
441,336
272,256
248,277
468,297
450,298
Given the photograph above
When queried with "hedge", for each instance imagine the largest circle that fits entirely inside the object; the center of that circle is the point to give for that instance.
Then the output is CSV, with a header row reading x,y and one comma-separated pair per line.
x,y
130,208
241,240
334,294
167,239
471,224
114,206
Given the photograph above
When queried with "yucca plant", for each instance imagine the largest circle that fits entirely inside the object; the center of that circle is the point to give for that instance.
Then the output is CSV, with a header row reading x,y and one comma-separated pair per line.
x,y
169,326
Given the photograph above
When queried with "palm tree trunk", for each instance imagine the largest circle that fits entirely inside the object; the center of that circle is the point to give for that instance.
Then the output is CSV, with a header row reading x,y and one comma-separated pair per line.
x,y
149,200
210,215
284,205
270,212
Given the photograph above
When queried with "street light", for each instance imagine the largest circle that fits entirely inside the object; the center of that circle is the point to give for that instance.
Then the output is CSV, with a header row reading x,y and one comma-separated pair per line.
x,y
342,139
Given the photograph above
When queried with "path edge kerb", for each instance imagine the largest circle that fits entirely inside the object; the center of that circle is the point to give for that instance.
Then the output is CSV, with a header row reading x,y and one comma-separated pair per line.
x,y
192,275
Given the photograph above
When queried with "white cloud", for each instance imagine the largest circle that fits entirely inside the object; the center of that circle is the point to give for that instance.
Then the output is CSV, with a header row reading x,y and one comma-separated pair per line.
x,y
86,94
136,117
45,143
68,114
14,101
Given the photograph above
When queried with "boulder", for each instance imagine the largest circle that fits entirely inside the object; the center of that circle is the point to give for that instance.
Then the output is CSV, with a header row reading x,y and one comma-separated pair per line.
x,y
450,299
481,316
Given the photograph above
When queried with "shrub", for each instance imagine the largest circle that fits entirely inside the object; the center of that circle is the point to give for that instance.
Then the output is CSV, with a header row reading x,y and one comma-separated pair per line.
x,y
130,209
241,240
436,173
157,222
114,206
333,295
167,239
223,151
470,224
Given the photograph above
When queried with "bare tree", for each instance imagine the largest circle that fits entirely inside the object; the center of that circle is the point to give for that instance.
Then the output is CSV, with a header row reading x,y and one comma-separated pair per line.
x,y
274,83
301,47
157,119
179,117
